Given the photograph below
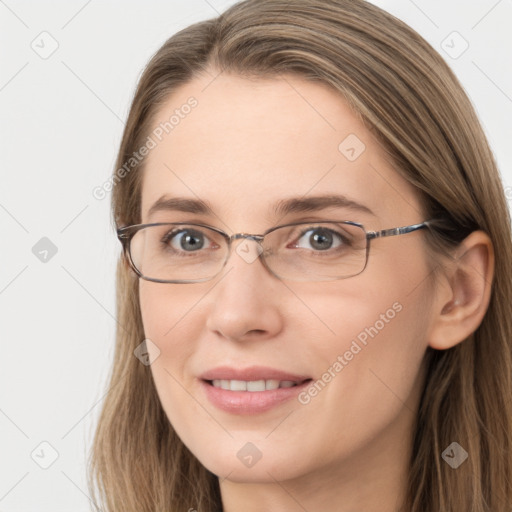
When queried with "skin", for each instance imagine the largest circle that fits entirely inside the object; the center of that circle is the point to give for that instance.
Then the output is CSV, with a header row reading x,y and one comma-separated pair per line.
x,y
248,144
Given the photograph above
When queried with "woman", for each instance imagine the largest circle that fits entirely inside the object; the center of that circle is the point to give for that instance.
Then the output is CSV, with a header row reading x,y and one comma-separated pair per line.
x,y
337,363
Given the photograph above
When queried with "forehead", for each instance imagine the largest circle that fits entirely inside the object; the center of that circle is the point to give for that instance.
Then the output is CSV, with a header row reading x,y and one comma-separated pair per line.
x,y
242,145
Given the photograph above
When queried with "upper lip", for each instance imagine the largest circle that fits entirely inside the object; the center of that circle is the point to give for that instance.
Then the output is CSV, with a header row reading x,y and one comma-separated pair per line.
x,y
252,373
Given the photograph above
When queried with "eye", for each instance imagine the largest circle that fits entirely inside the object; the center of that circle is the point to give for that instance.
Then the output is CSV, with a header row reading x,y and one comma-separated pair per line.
x,y
321,239
188,240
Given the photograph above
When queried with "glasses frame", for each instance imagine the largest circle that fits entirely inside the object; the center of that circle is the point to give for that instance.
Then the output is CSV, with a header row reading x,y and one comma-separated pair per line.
x,y
126,233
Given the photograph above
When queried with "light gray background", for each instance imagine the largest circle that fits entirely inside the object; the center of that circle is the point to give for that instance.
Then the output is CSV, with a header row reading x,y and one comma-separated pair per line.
x,y
60,125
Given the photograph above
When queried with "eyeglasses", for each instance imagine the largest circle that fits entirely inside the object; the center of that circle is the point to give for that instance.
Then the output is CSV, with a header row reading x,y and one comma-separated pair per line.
x,y
174,252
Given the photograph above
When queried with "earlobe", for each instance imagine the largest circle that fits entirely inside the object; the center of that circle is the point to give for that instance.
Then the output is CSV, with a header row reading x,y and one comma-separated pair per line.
x,y
460,305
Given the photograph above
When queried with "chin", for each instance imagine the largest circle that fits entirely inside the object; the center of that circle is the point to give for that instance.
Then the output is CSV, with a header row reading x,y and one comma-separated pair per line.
x,y
246,462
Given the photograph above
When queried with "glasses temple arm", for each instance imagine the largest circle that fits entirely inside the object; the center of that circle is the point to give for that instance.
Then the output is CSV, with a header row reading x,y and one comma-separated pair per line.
x,y
396,231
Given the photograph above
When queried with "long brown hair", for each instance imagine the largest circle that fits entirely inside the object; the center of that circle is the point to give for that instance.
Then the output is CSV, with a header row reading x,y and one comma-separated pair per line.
x,y
412,102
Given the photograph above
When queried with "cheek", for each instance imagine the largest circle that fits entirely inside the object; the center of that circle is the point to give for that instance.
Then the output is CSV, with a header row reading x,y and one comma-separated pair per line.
x,y
170,317
165,310
382,326
368,370
380,313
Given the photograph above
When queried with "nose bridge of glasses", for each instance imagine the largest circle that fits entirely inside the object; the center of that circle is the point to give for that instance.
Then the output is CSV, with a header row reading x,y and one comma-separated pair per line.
x,y
238,236
249,252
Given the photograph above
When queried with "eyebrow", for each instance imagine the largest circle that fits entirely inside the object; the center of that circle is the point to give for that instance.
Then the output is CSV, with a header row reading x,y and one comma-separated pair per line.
x,y
281,208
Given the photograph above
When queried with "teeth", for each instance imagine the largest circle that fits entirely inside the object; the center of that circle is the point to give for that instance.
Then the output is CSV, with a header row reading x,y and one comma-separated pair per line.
x,y
256,385
252,385
271,384
238,385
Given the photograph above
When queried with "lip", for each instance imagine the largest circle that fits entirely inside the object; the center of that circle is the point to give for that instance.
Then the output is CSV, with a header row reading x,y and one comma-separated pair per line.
x,y
251,373
250,402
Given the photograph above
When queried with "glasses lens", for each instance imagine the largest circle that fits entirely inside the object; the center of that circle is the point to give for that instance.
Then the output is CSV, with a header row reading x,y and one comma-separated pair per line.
x,y
321,251
178,252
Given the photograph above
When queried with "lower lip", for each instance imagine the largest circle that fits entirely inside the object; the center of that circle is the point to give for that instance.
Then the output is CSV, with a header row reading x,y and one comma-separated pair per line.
x,y
250,402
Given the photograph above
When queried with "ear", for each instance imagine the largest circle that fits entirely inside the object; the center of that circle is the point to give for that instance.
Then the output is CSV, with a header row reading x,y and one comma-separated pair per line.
x,y
462,298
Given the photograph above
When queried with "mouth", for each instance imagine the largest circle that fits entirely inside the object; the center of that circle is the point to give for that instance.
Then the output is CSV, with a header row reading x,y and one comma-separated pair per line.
x,y
252,390
254,385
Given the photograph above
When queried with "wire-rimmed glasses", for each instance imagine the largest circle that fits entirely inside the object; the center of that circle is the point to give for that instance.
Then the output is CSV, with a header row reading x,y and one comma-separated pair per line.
x,y
174,252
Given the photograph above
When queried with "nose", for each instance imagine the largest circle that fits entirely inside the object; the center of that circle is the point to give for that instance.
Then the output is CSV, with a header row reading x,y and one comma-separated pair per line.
x,y
244,303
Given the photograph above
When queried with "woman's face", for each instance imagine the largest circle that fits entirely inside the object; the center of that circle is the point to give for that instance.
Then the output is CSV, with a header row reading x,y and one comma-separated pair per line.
x,y
353,346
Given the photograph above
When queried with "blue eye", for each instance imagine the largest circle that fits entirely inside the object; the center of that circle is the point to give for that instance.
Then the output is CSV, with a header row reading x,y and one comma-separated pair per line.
x,y
321,239
188,240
